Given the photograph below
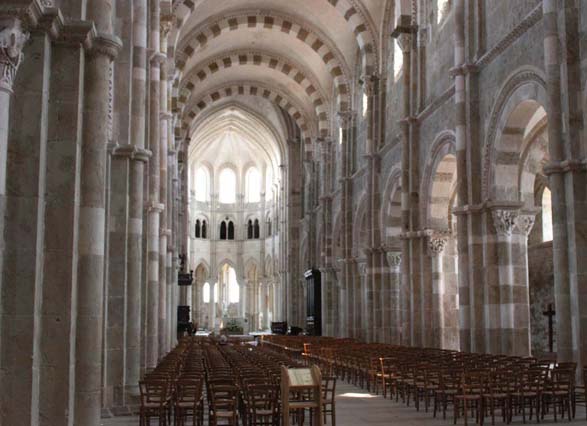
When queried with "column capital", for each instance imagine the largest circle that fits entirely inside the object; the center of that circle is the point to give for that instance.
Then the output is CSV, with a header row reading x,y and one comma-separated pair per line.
x,y
369,82
155,207
394,259
142,155
404,41
105,44
504,221
525,223
436,244
345,118
12,40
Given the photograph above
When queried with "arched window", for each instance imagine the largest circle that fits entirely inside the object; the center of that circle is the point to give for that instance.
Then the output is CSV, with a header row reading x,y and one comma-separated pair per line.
x,y
227,186
365,102
547,232
202,184
233,288
250,230
198,230
230,230
223,230
442,10
256,229
206,293
253,186
204,230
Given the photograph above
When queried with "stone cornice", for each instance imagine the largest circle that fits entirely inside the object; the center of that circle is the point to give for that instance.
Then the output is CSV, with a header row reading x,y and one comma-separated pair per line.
x,y
131,152
155,207
566,166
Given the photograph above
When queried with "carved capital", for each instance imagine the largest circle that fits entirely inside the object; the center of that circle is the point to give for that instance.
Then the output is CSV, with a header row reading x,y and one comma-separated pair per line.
x,y
525,223
436,245
345,118
504,221
12,40
404,41
369,83
105,44
165,27
394,259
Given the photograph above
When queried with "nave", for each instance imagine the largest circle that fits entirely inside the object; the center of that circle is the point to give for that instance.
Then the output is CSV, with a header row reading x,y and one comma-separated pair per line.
x,y
386,384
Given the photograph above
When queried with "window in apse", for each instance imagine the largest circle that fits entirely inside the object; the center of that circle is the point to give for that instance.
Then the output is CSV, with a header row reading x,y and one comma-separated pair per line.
x,y
253,184
233,289
547,232
206,293
202,184
442,10
227,186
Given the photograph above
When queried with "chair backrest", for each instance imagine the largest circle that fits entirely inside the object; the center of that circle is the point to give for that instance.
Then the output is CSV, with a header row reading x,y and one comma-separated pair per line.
x,y
263,399
328,388
154,391
188,390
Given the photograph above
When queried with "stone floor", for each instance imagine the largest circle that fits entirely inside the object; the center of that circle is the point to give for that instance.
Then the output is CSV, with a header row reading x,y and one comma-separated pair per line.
x,y
355,407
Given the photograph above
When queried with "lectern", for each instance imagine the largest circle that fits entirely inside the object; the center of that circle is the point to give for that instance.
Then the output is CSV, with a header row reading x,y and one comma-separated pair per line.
x,y
301,390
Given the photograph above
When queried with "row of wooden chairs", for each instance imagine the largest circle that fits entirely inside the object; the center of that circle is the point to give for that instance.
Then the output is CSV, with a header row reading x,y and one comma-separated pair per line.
x,y
473,384
174,387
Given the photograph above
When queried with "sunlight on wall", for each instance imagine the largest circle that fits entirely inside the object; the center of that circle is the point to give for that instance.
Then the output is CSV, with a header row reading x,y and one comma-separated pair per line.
x,y
547,232
398,60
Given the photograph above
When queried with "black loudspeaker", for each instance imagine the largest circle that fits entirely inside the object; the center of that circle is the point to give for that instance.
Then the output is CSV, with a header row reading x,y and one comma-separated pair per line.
x,y
313,302
183,314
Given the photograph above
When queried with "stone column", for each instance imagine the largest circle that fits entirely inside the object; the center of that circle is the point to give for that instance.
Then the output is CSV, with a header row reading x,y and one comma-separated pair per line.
x,y
522,339
500,310
23,144
12,40
165,121
155,206
95,136
59,284
136,202
212,308
265,299
395,319
567,176
346,121
436,247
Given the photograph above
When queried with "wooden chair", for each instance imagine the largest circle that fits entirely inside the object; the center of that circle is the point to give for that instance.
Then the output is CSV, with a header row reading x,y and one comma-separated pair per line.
x,y
223,405
188,401
559,391
262,404
388,378
497,393
155,401
328,398
470,395
529,389
449,383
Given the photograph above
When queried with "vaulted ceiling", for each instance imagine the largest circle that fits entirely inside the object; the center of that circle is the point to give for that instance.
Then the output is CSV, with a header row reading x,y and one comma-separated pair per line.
x,y
301,57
